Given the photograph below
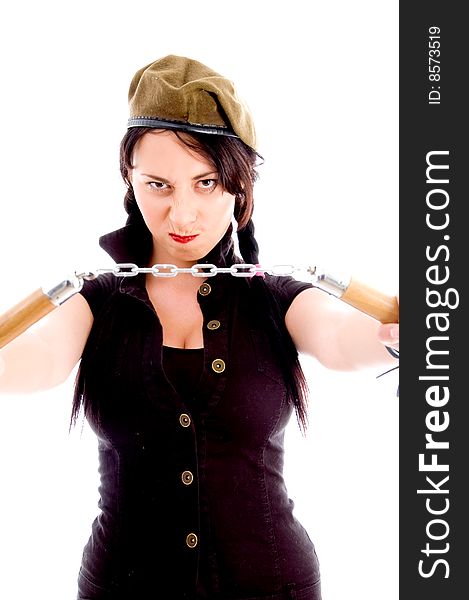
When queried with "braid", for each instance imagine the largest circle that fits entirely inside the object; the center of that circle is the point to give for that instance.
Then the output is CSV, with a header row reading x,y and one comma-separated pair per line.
x,y
248,245
269,312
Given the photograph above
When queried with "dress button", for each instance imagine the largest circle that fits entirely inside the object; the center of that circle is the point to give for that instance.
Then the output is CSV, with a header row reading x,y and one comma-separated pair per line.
x,y
213,324
205,289
218,365
187,477
185,420
191,540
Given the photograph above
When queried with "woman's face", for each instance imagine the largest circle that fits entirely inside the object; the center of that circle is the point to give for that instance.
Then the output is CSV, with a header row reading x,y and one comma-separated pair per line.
x,y
181,201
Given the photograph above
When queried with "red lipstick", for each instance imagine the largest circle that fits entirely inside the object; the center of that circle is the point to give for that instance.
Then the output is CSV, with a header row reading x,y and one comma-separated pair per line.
x,y
183,239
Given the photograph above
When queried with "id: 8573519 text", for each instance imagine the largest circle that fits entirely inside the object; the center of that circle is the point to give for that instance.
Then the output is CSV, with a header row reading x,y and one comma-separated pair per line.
x,y
434,66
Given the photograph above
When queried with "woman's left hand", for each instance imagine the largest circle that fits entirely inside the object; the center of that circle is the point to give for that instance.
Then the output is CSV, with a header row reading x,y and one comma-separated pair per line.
x,y
388,334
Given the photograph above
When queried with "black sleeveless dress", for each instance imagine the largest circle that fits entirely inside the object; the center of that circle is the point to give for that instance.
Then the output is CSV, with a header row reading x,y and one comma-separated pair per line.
x,y
193,504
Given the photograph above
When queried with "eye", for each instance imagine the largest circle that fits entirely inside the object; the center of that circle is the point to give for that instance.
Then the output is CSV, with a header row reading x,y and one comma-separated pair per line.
x,y
207,184
157,185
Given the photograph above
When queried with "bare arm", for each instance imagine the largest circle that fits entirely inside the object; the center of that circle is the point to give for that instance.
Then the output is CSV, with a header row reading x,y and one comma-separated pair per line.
x,y
45,355
339,336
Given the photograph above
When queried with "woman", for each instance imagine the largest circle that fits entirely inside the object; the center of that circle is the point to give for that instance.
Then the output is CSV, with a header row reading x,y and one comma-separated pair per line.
x,y
189,382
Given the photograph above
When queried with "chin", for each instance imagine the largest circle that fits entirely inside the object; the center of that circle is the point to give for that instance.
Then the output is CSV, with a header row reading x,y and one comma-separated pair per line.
x,y
188,255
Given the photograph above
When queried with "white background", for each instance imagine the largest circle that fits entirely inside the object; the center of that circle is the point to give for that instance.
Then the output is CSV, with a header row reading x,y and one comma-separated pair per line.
x,y
321,80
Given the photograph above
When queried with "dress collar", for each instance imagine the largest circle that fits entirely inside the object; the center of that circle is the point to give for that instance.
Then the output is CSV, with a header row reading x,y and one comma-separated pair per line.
x,y
131,243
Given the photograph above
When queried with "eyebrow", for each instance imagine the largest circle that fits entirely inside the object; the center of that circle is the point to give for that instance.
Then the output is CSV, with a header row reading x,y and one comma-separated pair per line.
x,y
158,178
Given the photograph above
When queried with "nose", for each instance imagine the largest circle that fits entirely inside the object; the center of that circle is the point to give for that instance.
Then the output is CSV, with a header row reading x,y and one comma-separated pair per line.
x,y
183,211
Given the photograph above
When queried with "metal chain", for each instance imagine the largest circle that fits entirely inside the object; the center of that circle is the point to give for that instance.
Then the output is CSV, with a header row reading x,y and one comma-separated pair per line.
x,y
198,270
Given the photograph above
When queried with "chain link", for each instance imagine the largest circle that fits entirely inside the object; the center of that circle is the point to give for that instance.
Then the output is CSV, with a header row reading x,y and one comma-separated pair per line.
x,y
198,270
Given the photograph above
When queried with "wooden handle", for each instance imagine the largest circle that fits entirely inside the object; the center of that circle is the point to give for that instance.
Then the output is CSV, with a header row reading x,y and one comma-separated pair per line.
x,y
21,316
376,304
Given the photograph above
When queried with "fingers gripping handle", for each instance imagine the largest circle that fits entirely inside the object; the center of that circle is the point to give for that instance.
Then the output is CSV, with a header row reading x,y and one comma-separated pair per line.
x,y
33,308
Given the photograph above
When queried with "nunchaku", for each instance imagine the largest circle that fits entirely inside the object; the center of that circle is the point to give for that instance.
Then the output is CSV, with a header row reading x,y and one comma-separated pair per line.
x,y
37,305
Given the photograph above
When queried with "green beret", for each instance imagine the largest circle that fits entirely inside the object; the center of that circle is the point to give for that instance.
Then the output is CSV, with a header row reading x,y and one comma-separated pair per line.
x,y
175,92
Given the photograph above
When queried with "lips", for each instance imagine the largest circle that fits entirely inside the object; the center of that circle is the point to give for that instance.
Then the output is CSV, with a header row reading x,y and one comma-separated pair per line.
x,y
183,239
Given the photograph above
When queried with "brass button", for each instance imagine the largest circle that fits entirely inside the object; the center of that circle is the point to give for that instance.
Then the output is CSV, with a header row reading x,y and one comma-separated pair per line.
x,y
218,365
205,289
185,420
213,324
191,540
187,477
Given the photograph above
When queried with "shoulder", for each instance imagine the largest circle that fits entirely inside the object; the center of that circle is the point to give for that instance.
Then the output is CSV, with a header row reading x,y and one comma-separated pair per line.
x,y
97,291
285,289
